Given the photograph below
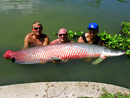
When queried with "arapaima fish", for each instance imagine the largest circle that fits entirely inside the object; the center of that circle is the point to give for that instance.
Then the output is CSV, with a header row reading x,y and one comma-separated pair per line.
x,y
60,51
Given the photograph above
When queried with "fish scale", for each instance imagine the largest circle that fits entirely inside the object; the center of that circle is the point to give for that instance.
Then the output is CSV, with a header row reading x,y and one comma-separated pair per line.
x,y
58,52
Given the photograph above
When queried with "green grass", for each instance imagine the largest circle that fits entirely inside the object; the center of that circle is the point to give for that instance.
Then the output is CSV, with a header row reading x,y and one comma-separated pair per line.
x,y
107,94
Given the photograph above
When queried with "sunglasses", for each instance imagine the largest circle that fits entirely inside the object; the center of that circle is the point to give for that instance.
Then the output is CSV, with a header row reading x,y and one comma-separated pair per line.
x,y
38,28
62,34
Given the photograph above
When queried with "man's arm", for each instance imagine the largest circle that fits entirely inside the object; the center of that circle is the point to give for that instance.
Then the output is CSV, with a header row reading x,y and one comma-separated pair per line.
x,y
46,41
26,42
80,40
101,43
56,41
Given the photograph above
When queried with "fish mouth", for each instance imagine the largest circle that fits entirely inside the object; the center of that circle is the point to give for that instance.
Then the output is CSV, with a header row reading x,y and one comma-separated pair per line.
x,y
123,53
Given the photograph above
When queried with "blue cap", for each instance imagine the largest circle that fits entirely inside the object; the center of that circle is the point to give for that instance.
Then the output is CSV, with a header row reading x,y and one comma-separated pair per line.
x,y
93,26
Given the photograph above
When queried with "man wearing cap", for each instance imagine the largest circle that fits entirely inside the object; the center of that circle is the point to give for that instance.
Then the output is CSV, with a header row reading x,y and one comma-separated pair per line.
x,y
91,36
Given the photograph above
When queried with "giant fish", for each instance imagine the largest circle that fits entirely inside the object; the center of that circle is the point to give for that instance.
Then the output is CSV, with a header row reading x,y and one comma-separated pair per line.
x,y
59,52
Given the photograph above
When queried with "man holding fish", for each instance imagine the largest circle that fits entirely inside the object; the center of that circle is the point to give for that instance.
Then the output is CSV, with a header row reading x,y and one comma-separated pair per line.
x,y
36,38
61,51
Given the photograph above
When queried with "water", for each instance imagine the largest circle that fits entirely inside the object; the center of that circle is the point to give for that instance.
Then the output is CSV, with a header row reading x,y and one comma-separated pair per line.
x,y
17,16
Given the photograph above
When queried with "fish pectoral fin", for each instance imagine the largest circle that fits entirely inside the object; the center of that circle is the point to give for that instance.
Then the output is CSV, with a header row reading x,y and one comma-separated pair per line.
x,y
55,58
97,61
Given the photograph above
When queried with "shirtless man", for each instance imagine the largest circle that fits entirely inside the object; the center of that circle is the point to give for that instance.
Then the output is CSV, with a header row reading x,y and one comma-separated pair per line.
x,y
35,38
62,37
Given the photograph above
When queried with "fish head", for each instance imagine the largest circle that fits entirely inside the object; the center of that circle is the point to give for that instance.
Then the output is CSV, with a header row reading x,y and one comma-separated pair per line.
x,y
8,54
112,52
116,53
